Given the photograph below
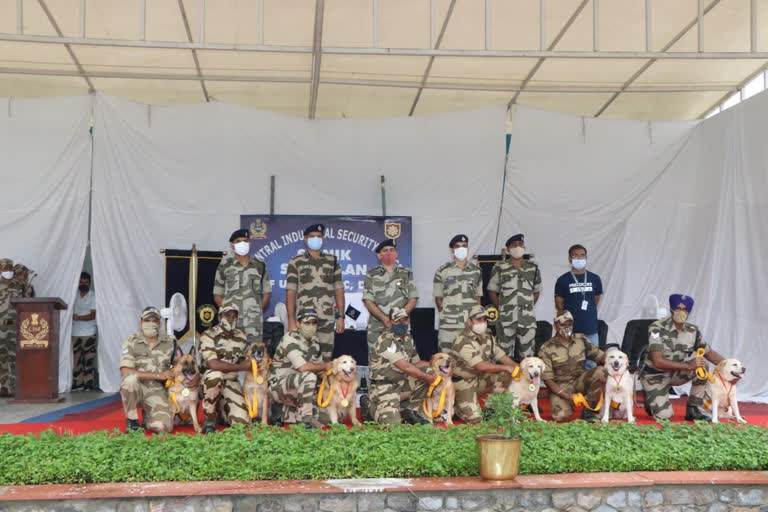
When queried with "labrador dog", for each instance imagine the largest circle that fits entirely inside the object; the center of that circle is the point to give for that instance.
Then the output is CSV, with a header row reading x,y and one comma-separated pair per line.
x,y
184,390
441,365
343,383
721,390
526,388
257,385
617,400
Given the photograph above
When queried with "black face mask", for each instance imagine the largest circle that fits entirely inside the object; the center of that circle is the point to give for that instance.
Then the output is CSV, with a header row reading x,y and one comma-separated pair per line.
x,y
83,287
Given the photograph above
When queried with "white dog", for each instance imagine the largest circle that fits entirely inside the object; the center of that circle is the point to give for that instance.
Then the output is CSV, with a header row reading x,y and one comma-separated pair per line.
x,y
721,390
618,386
526,387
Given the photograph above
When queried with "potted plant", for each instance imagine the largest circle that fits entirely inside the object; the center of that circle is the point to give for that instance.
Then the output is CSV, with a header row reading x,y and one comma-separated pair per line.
x,y
499,454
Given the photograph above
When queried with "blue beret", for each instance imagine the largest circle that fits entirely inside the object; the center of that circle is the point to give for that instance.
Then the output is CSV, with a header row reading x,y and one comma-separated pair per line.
x,y
385,243
314,227
517,238
240,233
456,239
676,299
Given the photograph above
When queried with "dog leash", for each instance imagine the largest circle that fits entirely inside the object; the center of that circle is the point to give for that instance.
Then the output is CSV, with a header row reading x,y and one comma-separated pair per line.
x,y
701,372
320,402
517,375
708,400
168,384
578,399
430,392
614,404
253,411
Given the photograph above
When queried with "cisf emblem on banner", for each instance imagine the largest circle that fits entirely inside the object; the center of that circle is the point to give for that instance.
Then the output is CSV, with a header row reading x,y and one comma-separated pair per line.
x,y
392,230
258,229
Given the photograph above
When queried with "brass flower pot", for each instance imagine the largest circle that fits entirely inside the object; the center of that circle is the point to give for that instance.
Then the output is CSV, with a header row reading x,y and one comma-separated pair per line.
x,y
499,457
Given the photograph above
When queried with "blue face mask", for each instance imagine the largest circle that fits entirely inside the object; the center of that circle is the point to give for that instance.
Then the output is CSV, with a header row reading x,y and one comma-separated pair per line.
x,y
399,329
315,243
579,264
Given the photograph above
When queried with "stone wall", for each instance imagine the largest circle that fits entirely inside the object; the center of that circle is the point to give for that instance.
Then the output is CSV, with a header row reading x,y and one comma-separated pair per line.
x,y
671,498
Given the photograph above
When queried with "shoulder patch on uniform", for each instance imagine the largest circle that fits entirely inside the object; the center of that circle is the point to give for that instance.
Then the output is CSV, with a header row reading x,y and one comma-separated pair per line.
x,y
655,334
392,349
125,351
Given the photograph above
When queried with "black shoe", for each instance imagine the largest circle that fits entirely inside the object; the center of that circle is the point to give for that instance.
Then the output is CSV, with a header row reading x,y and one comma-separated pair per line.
x,y
209,427
588,416
414,418
312,423
276,414
647,408
365,408
693,413
132,425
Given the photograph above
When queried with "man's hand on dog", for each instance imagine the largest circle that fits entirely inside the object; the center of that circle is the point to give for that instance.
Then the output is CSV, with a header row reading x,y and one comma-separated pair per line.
x,y
697,362
167,374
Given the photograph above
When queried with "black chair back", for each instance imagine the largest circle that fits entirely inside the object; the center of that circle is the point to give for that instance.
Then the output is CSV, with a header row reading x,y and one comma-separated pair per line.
x,y
543,333
602,334
635,341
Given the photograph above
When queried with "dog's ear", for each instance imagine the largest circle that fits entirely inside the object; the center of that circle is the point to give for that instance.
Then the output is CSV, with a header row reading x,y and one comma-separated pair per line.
x,y
335,366
179,355
721,366
191,350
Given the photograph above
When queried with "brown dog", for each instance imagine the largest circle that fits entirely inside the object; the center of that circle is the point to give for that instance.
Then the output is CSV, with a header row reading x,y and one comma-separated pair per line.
x,y
256,383
442,366
343,385
184,390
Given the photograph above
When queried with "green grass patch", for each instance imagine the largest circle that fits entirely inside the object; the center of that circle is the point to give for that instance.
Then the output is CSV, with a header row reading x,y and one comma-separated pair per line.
x,y
268,453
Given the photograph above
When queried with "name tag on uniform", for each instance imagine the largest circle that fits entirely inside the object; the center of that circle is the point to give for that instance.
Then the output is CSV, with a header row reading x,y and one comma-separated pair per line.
x,y
561,358
450,278
584,305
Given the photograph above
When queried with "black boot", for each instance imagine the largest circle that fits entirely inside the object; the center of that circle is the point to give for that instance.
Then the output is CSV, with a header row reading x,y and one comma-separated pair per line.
x,y
276,414
132,425
414,418
209,427
588,416
312,423
693,413
365,408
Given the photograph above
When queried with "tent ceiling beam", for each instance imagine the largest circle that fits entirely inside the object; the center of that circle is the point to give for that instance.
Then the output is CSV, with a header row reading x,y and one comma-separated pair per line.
x,y
184,18
317,54
66,46
432,59
698,20
551,47
20,17
762,70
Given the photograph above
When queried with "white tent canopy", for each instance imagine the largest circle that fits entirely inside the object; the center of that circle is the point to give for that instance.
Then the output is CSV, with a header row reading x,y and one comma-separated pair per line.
x,y
622,59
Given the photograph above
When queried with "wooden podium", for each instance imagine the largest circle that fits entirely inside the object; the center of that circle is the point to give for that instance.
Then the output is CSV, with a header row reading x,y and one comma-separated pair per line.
x,y
37,350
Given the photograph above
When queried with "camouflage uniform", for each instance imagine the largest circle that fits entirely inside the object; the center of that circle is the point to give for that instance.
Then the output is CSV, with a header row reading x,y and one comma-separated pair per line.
x,y
392,390
244,286
137,355
459,289
675,346
27,289
517,319
387,291
223,389
564,364
296,390
8,332
468,350
315,282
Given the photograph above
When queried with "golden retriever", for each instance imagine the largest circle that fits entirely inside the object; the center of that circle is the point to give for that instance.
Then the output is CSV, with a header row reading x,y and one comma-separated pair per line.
x,y
526,388
617,400
257,385
721,390
441,365
184,390
343,382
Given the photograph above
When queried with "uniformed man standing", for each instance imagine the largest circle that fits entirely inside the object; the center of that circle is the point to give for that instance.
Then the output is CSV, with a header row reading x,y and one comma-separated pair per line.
x,y
313,281
514,289
456,287
671,361
145,364
481,365
293,378
398,380
564,357
8,290
387,286
244,281
21,276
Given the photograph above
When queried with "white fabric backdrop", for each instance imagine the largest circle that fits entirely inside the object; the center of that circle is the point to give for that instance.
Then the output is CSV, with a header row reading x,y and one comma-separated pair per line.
x,y
45,164
174,176
661,207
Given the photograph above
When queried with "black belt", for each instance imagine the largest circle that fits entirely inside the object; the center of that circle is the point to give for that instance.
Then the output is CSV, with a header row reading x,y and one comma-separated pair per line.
x,y
651,371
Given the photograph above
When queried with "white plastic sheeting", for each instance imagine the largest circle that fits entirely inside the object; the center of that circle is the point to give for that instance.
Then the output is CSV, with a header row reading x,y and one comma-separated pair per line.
x,y
168,177
45,166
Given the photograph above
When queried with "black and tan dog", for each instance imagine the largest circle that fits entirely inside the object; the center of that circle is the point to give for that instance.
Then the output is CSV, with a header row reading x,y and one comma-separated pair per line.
x,y
256,382
442,366
184,390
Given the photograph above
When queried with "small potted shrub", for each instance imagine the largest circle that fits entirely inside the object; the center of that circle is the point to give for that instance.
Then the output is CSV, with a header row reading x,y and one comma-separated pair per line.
x,y
499,454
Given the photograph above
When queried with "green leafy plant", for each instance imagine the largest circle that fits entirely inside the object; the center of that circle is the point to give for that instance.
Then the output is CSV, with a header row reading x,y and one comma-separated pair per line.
x,y
502,415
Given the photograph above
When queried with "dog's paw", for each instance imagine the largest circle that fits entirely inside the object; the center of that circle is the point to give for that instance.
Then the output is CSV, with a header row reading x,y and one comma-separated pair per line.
x,y
631,420
541,419
356,422
449,422
604,421
741,420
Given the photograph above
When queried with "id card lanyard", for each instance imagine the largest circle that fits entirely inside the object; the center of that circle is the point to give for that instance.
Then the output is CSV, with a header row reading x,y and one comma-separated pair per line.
x,y
584,303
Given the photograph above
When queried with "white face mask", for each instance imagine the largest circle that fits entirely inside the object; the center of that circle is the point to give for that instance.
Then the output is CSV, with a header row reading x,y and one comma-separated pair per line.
x,y
7,274
461,253
242,248
579,264
517,252
480,328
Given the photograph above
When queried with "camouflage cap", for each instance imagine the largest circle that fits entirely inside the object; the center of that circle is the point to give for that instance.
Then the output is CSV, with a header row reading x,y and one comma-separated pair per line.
x,y
397,314
20,268
564,317
228,307
478,311
6,263
314,228
149,312
306,314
